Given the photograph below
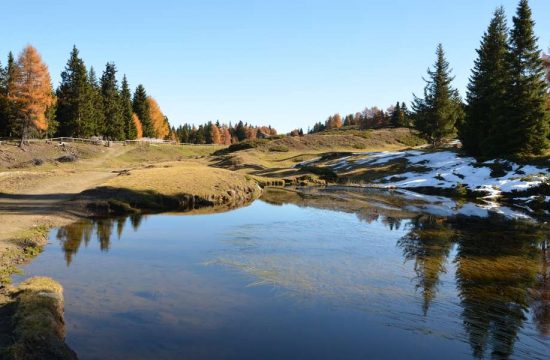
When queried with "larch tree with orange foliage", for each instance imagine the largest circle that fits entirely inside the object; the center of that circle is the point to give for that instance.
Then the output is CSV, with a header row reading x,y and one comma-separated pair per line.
x,y
334,122
158,120
226,136
215,134
32,93
137,126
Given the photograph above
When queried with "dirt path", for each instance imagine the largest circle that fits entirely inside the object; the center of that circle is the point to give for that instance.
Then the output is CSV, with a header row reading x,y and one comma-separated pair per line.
x,y
35,198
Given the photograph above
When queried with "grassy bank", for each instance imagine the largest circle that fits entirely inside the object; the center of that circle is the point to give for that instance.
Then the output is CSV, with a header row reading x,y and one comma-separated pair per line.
x,y
173,186
37,328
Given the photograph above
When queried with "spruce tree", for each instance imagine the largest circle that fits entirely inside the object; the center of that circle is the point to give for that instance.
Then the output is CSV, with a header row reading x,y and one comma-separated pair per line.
x,y
7,107
3,102
406,116
441,108
140,105
95,93
75,107
528,117
396,115
127,112
481,132
114,120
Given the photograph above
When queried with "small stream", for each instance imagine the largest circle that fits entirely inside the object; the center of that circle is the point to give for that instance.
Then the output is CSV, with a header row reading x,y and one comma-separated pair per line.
x,y
305,275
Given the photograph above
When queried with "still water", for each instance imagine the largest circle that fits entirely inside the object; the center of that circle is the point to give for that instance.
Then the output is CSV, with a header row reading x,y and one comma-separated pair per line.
x,y
324,276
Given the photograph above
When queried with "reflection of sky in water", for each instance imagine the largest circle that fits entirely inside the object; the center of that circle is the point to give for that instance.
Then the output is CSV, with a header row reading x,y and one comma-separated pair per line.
x,y
264,282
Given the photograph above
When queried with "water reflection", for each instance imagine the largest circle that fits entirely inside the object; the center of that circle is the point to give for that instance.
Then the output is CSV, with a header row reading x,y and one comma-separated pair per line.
x,y
501,268
428,243
73,236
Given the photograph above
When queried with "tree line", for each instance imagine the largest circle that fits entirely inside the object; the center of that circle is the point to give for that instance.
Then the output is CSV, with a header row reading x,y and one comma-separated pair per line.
x,y
82,106
369,118
223,134
507,109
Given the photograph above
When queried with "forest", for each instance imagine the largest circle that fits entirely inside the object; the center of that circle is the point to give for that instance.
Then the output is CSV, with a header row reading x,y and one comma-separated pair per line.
x,y
84,106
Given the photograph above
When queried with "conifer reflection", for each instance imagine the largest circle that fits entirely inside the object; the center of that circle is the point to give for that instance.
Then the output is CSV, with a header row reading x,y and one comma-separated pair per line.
x,y
497,263
81,232
428,244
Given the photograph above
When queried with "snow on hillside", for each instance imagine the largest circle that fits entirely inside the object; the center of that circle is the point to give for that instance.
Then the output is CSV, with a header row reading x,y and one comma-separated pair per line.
x,y
446,169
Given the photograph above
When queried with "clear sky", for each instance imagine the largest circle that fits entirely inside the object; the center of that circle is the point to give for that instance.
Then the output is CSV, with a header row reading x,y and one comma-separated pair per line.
x,y
288,63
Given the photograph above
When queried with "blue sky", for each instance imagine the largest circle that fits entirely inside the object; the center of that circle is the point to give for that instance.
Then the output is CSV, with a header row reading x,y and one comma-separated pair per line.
x,y
288,63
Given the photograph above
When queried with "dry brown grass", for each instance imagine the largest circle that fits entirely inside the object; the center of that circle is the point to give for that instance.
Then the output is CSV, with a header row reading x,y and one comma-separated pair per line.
x,y
189,177
38,326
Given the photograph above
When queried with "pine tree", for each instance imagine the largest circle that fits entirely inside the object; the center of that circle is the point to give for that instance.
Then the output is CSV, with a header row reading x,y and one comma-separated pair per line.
x,y
441,108
3,102
114,120
396,115
98,116
406,122
480,133
130,127
7,108
75,106
527,124
140,105
32,94
240,131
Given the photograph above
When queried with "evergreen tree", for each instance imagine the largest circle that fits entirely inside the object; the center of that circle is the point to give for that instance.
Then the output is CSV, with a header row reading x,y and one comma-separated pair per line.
x,y
127,112
75,107
140,106
114,120
7,107
98,115
396,115
441,108
3,102
240,131
406,116
481,132
527,124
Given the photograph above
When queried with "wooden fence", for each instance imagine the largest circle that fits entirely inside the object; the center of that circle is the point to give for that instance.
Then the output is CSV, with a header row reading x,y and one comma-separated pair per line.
x,y
12,141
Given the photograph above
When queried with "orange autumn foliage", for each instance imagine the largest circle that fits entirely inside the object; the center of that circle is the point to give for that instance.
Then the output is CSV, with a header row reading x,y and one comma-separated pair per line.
x,y
139,127
215,134
226,136
32,90
160,126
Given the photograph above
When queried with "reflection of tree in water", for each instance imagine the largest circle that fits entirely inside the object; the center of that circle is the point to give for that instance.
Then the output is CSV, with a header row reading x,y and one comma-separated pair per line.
x,y
72,236
120,226
502,266
393,223
136,221
541,292
502,270
104,232
427,244
497,264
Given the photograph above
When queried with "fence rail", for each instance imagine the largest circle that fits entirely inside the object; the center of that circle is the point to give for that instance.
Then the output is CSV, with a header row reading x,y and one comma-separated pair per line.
x,y
102,142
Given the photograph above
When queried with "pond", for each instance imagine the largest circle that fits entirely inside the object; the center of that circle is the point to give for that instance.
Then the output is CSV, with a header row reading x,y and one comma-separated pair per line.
x,y
305,275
